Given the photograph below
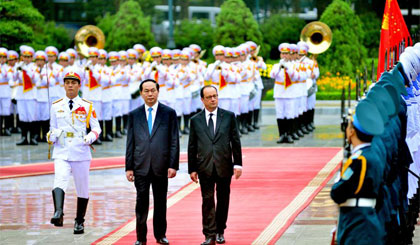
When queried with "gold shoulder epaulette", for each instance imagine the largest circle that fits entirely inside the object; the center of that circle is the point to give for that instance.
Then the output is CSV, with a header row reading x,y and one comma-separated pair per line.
x,y
57,100
90,102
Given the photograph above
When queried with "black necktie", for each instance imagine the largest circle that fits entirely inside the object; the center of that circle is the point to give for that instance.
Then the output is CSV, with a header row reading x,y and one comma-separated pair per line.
x,y
71,104
211,126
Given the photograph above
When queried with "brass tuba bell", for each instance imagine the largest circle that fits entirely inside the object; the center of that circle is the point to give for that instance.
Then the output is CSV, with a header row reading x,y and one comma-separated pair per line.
x,y
318,36
89,36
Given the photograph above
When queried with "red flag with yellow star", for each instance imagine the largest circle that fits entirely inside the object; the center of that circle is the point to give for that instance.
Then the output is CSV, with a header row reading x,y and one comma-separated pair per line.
x,y
92,81
394,36
223,82
27,82
287,80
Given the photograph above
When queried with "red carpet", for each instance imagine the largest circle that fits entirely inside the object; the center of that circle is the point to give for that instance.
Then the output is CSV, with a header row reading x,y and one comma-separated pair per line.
x,y
277,184
33,169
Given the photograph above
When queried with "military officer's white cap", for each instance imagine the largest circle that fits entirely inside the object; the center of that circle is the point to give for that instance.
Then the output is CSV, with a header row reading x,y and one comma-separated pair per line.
x,y
139,48
51,50
195,47
102,53
72,52
11,54
40,55
218,49
132,53
3,51
64,56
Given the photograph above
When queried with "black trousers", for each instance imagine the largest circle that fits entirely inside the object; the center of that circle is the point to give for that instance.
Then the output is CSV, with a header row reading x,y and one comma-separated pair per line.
x,y
160,190
214,217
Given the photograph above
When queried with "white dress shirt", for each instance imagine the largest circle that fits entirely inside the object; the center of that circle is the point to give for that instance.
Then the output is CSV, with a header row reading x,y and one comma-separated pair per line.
x,y
154,110
214,118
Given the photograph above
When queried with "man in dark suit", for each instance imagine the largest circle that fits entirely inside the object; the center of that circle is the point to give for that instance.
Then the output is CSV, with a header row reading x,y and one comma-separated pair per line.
x,y
213,141
152,157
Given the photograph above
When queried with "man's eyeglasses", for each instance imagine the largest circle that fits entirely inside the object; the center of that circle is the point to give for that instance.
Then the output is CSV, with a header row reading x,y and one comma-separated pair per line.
x,y
211,97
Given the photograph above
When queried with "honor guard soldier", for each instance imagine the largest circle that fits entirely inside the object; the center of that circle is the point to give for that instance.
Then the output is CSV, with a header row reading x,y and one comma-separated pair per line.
x,y
70,117
170,81
54,71
73,55
360,180
125,95
179,89
259,64
92,88
26,97
141,59
63,60
283,75
184,79
106,83
135,73
116,75
42,96
5,95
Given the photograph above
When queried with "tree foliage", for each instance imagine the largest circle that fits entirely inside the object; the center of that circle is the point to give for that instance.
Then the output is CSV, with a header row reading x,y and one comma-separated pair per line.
x,y
278,29
347,52
372,28
236,24
198,32
21,23
127,27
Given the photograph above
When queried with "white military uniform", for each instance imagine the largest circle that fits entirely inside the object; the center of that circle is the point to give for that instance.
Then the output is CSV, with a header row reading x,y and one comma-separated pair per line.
x,y
71,143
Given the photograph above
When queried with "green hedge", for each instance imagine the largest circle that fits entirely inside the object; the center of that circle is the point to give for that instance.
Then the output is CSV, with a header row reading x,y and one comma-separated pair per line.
x,y
319,95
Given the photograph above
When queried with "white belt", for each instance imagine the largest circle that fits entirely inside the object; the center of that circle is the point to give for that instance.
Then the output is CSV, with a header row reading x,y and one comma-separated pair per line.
x,y
359,202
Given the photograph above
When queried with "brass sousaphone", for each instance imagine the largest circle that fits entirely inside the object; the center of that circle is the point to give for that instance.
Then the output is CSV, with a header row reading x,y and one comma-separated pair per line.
x,y
89,36
318,36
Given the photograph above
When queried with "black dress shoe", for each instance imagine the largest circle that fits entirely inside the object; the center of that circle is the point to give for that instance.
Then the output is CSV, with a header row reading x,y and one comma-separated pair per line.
x,y
108,138
33,142
289,139
97,142
23,141
140,243
209,241
163,240
118,134
220,238
79,228
281,139
294,136
304,130
7,132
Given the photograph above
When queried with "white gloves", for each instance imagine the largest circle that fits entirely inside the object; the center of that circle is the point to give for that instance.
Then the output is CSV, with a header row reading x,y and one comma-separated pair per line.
x,y
89,138
54,135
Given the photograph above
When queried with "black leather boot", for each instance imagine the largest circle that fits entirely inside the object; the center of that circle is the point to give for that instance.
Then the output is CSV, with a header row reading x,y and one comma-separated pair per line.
x,y
79,227
249,122
58,197
118,127
282,135
186,123
125,121
108,130
289,131
34,129
256,117
244,128
24,130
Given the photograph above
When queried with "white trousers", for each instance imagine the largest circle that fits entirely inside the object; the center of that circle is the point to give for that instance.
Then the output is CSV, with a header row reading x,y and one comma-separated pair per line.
x,y
225,103
43,112
80,171
311,101
235,106
136,103
187,107
97,105
27,110
106,111
125,107
117,108
285,108
244,105
257,100
5,106
179,105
